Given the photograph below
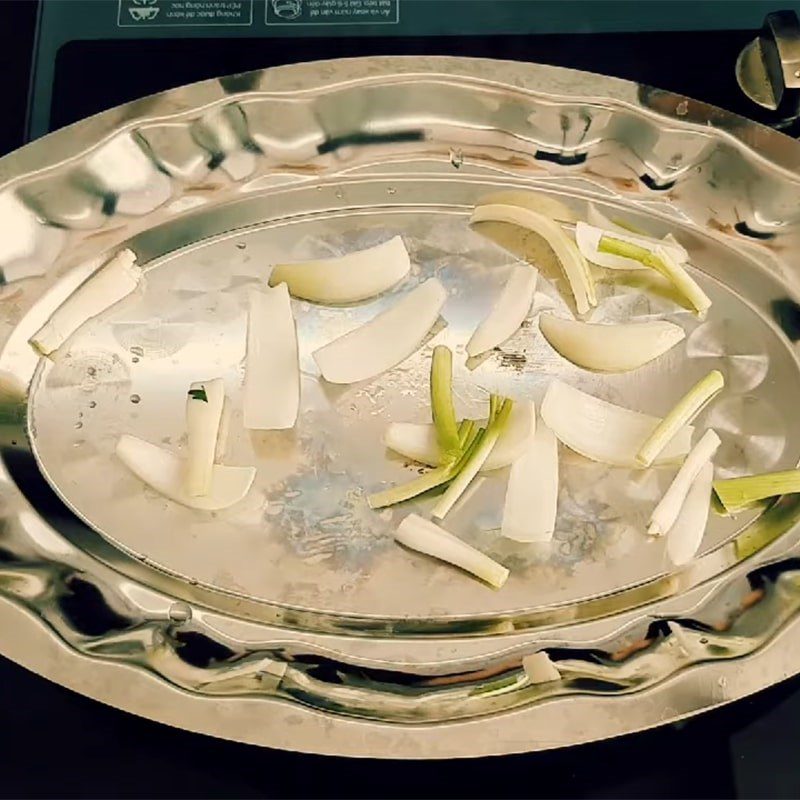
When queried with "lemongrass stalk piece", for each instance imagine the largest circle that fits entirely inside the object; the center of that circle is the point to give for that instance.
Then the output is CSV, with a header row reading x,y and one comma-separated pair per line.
x,y
588,238
474,461
669,507
349,278
603,431
566,252
529,513
684,411
384,341
432,540
109,284
418,442
539,668
686,534
609,348
272,371
204,403
166,473
442,410
737,494
508,312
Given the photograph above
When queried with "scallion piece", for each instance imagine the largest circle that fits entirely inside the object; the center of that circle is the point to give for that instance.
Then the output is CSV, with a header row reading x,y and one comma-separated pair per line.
x,y
442,410
737,494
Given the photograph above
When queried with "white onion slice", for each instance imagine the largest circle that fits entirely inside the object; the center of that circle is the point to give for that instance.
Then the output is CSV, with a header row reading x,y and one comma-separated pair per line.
x,y
204,403
602,431
417,441
529,514
272,371
540,669
430,539
348,278
385,340
111,283
610,348
685,536
669,507
567,254
166,473
508,313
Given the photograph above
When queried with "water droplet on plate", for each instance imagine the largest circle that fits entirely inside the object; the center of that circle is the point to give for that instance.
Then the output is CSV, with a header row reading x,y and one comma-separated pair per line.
x,y
135,398
135,359
137,351
92,404
78,425
391,190
456,157
241,246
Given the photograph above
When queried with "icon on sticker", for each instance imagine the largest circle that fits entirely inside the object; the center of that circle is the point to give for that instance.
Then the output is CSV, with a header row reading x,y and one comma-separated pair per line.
x,y
287,9
143,10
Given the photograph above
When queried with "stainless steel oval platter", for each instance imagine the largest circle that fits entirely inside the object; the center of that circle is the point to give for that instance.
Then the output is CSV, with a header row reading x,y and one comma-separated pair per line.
x,y
292,619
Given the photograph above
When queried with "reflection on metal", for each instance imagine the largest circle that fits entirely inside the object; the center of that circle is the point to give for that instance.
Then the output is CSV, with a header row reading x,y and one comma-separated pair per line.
x,y
303,627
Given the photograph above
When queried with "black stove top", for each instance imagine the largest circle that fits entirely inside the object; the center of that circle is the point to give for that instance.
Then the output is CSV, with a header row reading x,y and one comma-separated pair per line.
x,y
57,743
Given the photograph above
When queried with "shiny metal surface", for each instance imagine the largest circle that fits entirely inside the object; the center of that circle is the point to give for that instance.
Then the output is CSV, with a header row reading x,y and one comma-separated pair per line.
x,y
292,620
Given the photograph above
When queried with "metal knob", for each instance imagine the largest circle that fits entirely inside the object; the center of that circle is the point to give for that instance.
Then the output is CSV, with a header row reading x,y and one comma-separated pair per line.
x,y
768,69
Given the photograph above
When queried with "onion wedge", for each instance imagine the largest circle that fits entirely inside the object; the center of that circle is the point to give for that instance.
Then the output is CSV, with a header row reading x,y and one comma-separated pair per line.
x,y
272,371
427,537
204,403
539,668
588,237
533,201
685,410
384,341
112,282
166,473
418,442
737,494
508,312
669,507
602,431
685,536
609,348
349,278
529,514
566,252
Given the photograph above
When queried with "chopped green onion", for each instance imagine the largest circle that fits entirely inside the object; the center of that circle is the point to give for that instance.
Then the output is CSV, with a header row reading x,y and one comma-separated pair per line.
x,y
498,417
663,262
737,494
199,394
442,410
685,410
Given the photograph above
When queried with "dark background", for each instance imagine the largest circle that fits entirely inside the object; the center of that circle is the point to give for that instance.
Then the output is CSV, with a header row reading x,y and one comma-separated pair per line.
x,y
54,743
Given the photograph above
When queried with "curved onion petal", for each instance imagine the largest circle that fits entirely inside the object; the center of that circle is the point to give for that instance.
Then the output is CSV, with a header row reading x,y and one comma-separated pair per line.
x,y
348,278
111,283
529,513
166,473
609,348
204,403
603,431
685,536
385,340
508,312
417,441
566,252
272,370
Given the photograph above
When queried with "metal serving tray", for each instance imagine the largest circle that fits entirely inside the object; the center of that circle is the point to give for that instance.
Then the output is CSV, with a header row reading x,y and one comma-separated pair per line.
x,y
292,619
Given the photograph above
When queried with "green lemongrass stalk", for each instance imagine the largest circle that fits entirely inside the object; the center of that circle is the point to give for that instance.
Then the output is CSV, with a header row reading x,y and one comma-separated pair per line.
x,y
430,480
442,410
498,417
737,494
684,411
662,262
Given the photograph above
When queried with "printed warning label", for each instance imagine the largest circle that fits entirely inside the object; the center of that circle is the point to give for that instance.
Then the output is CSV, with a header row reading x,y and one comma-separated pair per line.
x,y
158,13
333,12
